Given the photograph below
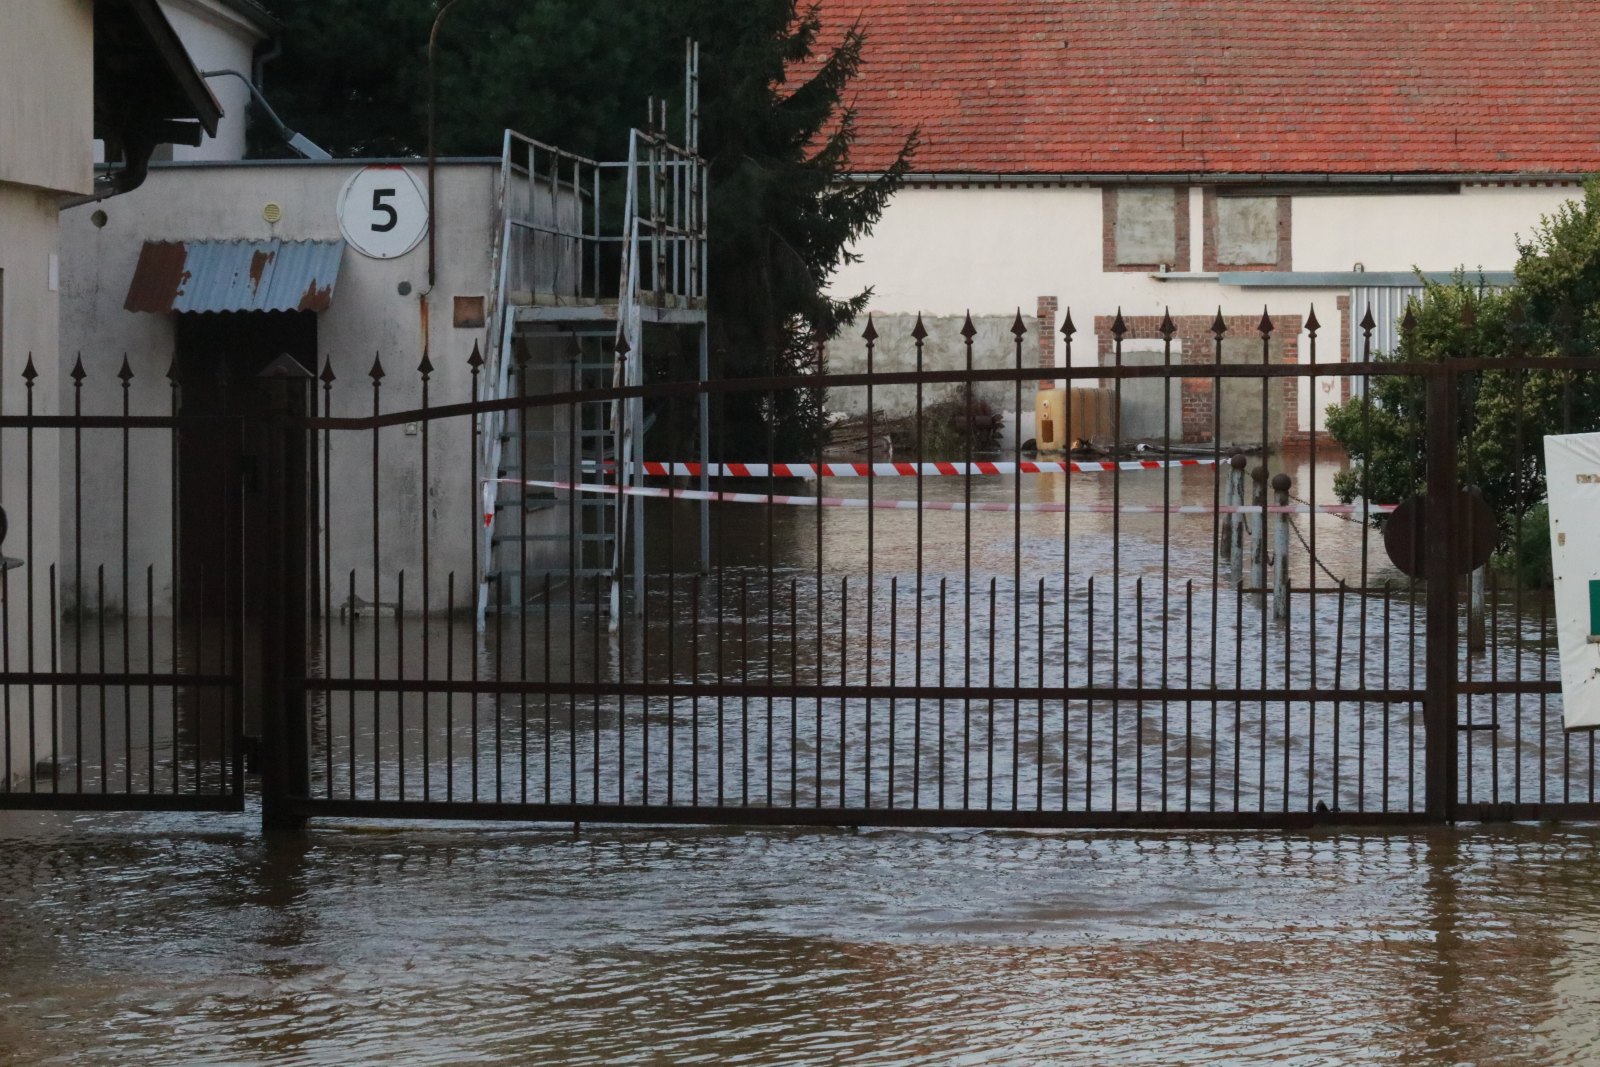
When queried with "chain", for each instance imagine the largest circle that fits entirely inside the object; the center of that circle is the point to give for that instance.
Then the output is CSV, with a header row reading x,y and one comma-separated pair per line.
x,y
1295,526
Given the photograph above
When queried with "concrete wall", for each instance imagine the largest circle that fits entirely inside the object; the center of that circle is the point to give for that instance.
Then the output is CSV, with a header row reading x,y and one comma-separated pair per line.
x,y
218,37
47,95
993,347
369,314
28,327
943,249
46,131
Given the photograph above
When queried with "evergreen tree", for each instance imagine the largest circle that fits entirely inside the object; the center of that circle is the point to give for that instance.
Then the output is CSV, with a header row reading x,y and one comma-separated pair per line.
x,y
578,74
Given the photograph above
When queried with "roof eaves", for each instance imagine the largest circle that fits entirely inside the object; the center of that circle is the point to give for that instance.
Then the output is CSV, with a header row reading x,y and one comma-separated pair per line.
x,y
1228,178
178,61
254,12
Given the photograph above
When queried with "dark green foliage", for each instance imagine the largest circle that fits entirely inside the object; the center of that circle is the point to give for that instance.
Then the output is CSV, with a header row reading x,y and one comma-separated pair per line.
x,y
1552,310
578,74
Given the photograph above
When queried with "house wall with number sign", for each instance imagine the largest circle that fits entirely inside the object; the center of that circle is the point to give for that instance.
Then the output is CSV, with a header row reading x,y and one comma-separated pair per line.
x,y
380,306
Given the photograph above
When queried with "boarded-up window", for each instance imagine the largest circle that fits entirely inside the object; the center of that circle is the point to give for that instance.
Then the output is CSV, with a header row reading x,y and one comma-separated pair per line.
x,y
1146,231
1247,230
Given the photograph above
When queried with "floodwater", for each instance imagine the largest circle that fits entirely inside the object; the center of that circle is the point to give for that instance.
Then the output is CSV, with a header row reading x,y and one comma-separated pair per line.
x,y
190,939
193,939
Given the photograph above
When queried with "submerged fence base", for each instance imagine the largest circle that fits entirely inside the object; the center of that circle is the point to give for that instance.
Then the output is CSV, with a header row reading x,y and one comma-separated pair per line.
x,y
971,640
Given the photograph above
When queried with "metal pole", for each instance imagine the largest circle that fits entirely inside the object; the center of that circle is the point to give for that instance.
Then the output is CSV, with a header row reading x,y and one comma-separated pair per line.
x,y
285,770
1477,636
1258,529
1233,497
1280,571
433,122
1439,693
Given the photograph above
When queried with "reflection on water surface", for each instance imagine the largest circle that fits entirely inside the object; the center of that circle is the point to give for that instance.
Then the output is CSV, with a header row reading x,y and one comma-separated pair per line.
x,y
168,939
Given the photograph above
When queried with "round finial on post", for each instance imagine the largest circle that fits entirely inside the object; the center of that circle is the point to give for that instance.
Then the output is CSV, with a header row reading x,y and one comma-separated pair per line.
x,y
1259,475
1280,482
1238,461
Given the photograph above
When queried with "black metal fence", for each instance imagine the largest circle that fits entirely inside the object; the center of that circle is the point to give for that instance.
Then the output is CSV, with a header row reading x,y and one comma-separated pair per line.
x,y
951,634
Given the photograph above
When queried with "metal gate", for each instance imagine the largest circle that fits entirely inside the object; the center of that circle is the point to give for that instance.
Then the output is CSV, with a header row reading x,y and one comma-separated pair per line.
x,y
954,632
122,671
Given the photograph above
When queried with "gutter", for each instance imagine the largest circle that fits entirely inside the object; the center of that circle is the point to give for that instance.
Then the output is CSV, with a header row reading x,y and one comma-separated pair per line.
x,y
1309,180
1334,279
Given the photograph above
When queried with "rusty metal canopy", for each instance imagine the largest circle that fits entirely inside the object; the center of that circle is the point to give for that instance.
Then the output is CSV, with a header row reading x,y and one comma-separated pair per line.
x,y
201,276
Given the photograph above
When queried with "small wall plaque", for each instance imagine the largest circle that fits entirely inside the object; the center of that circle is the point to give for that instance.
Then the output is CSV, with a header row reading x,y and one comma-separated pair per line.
x,y
469,312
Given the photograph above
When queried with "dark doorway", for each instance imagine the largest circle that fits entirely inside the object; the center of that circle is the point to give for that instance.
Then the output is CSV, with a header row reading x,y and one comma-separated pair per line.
x,y
223,479
220,357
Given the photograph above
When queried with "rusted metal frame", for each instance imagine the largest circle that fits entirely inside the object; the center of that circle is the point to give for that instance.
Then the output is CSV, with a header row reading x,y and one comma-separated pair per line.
x,y
1439,701
1167,330
1118,330
1067,331
1089,708
968,331
479,501
858,816
870,335
125,374
919,334
851,690
117,679
1367,325
1311,327
1216,572
327,378
770,555
281,574
1018,331
713,386
231,800
1426,371
29,373
520,359
1265,332
78,375
377,375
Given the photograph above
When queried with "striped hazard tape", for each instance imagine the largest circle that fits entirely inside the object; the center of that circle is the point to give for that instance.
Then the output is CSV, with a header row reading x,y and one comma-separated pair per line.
x,y
792,500
902,470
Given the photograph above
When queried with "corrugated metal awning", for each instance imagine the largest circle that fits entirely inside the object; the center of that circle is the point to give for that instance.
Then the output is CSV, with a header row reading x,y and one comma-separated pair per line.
x,y
234,276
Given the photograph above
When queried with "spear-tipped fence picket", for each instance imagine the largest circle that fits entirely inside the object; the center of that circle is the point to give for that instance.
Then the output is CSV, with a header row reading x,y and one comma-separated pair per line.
x,y
1147,637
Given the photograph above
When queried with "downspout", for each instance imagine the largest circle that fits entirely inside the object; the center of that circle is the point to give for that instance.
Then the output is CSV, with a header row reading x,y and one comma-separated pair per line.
x,y
260,57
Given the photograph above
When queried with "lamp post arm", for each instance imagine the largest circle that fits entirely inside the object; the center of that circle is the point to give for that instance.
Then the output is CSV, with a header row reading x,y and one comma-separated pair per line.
x,y
297,141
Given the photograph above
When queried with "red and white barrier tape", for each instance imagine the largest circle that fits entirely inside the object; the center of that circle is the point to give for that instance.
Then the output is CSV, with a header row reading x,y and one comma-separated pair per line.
x,y
661,493
903,470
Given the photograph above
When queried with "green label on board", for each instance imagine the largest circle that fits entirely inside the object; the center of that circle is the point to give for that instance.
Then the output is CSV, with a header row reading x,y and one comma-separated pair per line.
x,y
1594,607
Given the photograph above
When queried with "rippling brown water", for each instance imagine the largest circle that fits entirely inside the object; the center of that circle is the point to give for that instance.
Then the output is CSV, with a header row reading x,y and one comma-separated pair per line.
x,y
179,939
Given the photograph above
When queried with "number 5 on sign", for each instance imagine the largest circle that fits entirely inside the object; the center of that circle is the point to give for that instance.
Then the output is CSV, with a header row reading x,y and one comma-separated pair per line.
x,y
383,211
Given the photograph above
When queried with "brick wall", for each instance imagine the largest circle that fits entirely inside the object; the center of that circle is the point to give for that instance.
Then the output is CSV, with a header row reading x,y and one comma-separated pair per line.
x,y
1194,343
1047,339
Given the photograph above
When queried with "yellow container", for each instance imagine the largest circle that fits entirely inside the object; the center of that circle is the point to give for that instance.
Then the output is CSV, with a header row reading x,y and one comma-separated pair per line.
x,y
1050,419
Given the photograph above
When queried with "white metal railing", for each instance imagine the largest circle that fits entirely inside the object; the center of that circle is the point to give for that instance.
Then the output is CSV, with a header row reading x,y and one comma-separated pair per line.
x,y
551,247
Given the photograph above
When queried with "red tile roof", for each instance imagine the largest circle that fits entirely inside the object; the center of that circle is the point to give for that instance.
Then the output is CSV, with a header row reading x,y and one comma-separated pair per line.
x,y
1228,86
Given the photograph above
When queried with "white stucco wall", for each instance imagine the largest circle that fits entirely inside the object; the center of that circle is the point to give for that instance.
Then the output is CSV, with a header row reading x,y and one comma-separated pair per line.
x,y
1476,228
368,315
47,94
46,131
28,327
943,250
217,37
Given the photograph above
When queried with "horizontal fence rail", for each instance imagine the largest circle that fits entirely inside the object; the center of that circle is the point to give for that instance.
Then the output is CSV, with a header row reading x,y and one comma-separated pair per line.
x,y
1190,619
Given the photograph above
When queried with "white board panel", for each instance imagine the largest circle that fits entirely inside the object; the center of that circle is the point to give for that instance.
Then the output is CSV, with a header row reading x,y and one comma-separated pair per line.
x,y
1572,464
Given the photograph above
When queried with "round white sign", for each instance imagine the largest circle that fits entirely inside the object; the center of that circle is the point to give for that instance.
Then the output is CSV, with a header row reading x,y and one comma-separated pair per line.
x,y
383,211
